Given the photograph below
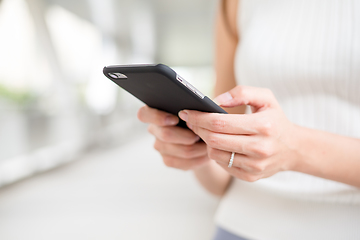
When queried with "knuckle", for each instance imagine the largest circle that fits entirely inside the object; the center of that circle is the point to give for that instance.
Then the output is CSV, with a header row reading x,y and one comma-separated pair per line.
x,y
263,149
175,163
217,124
150,129
267,150
213,153
212,140
258,167
250,177
188,151
158,146
165,134
267,91
244,91
191,141
185,168
266,128
240,89
169,162
271,94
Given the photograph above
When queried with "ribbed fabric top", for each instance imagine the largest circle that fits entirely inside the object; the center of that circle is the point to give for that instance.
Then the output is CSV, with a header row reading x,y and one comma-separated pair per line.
x,y
308,53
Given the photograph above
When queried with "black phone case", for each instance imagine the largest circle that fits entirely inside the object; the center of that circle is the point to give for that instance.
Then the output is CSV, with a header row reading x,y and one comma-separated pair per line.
x,y
158,86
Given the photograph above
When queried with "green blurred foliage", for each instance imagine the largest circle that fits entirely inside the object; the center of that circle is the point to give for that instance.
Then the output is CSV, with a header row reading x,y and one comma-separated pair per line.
x,y
19,97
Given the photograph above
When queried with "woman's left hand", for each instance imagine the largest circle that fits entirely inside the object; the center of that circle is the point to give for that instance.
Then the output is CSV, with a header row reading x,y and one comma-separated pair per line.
x,y
264,142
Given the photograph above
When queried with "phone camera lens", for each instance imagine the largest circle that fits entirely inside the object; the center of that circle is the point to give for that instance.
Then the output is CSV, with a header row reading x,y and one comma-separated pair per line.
x,y
113,75
118,75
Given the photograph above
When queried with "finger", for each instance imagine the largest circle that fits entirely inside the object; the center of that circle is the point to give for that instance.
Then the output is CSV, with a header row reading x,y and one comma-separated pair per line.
x,y
240,173
241,161
259,98
147,114
252,146
224,123
183,163
176,135
182,151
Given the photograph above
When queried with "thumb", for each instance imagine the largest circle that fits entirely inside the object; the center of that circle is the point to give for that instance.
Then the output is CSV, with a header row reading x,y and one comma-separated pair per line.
x,y
258,98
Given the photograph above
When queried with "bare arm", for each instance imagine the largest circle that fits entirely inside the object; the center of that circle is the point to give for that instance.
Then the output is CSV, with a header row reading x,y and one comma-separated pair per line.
x,y
328,155
313,152
211,176
281,147
227,40
266,142
179,148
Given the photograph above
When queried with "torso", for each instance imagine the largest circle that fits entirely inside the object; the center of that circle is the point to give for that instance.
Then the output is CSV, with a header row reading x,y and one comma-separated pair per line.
x,y
308,53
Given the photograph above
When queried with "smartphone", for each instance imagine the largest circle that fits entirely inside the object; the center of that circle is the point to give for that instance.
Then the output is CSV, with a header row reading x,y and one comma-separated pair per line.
x,y
160,87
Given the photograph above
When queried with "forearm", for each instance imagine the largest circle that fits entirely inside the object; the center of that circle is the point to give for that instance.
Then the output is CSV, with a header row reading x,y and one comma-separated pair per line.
x,y
213,178
328,155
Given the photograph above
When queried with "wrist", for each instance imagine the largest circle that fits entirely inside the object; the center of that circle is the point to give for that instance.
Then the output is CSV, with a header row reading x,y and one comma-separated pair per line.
x,y
295,147
305,150
203,167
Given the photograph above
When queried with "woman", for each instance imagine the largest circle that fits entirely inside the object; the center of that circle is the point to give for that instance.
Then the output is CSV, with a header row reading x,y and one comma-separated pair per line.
x,y
291,168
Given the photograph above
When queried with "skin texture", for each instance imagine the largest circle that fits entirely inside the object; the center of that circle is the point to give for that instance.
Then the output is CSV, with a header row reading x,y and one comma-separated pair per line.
x,y
260,140
183,151
180,148
265,142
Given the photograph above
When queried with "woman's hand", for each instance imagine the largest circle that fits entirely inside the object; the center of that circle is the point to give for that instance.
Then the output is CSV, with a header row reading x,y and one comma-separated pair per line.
x,y
263,141
180,148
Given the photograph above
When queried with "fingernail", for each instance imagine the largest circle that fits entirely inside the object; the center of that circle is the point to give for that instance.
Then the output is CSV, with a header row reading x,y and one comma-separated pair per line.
x,y
171,120
223,98
183,115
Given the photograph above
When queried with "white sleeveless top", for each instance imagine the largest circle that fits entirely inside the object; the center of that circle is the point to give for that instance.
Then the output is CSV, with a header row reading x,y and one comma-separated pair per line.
x,y
308,53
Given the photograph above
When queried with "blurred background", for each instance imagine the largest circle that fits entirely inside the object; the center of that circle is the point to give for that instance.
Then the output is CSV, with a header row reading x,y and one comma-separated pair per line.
x,y
74,160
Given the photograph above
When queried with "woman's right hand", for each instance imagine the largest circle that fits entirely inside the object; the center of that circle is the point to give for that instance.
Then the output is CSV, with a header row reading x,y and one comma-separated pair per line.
x,y
180,148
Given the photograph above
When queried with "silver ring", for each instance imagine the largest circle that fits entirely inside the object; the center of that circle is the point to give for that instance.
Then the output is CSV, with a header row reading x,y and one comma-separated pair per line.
x,y
231,160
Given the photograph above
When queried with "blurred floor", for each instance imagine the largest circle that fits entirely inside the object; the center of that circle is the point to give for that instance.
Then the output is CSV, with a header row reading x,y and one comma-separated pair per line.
x,y
122,193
